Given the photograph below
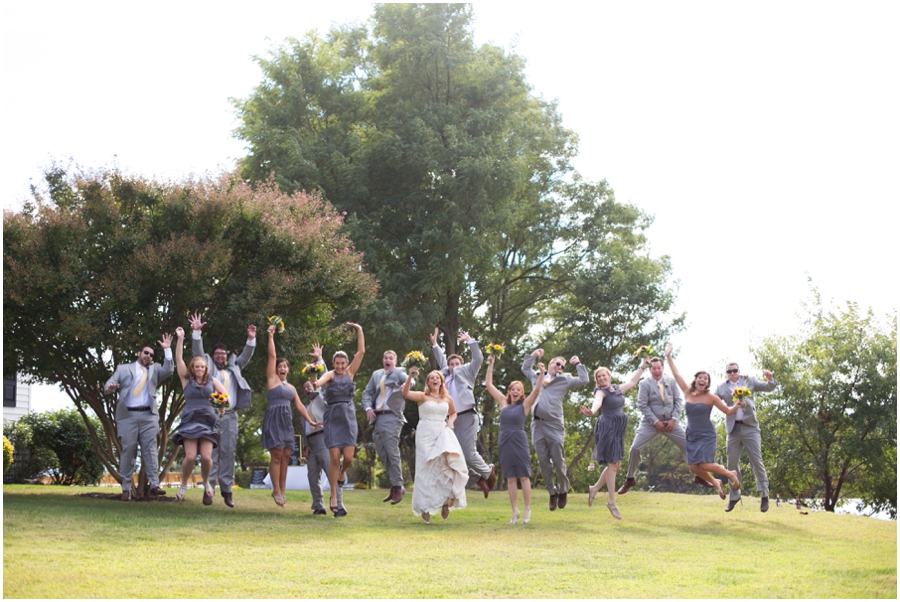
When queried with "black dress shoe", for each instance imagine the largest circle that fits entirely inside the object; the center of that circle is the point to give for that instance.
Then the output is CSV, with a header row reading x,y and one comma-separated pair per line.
x,y
731,505
319,511
628,484
764,504
561,501
554,498
157,491
229,500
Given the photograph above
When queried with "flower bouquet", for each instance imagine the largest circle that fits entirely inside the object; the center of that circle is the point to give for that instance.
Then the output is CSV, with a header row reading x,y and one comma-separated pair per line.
x,y
311,371
495,350
644,351
415,358
740,394
219,401
277,322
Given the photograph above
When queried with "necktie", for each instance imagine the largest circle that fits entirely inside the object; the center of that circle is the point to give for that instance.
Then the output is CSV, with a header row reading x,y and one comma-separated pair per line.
x,y
226,382
140,385
382,391
662,392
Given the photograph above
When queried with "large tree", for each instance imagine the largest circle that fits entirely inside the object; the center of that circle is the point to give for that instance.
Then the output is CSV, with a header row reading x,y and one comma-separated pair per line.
x,y
830,428
98,264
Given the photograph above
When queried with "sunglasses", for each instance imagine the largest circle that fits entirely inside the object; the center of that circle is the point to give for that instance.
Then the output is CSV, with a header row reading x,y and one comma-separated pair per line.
x,y
732,371
150,353
560,364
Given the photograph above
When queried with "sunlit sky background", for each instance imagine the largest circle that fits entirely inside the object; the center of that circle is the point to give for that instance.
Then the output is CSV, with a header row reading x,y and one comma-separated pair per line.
x,y
763,137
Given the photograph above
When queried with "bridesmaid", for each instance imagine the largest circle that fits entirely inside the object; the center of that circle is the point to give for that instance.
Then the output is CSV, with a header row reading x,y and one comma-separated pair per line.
x,y
197,430
340,416
700,435
278,422
609,432
512,445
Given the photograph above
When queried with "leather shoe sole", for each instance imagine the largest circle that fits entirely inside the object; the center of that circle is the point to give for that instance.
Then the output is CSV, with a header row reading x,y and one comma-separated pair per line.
x,y
398,496
731,505
229,500
561,501
628,484
492,479
157,491
482,482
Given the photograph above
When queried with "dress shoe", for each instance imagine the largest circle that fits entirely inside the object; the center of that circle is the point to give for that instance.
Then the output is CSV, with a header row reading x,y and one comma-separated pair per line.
x,y
208,496
445,512
561,501
704,482
319,511
554,498
731,505
229,500
764,504
157,491
390,495
628,484
482,482
126,496
492,479
398,495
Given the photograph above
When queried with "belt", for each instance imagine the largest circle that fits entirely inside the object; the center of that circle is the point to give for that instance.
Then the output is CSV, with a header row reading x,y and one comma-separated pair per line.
x,y
145,409
739,422
314,434
535,416
380,412
334,401
465,411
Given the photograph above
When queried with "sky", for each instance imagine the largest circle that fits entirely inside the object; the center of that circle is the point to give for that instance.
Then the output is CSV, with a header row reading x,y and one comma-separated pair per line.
x,y
762,137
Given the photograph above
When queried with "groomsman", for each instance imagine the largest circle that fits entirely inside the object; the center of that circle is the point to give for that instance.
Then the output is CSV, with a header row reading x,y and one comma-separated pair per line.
x,y
227,369
314,450
460,381
548,432
383,402
743,431
660,401
137,417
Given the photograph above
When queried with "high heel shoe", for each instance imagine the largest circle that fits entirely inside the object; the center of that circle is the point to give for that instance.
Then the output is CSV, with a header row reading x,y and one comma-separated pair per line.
x,y
527,518
515,518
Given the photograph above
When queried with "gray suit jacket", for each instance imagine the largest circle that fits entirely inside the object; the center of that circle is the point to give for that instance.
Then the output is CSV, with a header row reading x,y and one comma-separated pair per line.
x,y
235,363
464,375
395,402
653,407
124,377
748,382
549,404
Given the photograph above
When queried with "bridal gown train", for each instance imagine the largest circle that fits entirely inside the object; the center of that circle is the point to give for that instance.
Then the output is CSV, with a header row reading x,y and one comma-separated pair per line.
x,y
441,472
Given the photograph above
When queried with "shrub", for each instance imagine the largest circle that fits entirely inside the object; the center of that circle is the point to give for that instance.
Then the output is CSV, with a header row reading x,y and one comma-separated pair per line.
x,y
7,454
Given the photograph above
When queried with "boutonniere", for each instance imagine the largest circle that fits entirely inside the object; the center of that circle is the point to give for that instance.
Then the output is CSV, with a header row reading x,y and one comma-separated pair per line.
x,y
666,384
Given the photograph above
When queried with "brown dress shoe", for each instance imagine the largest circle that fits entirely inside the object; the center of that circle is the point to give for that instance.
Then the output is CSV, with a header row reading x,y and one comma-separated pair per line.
x,y
561,501
157,491
398,496
554,498
628,484
208,497
731,505
482,482
704,482
390,495
492,479
126,496
229,500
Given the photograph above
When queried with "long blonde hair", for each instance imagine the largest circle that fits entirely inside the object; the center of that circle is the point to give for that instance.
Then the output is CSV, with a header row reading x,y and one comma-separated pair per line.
x,y
442,391
190,370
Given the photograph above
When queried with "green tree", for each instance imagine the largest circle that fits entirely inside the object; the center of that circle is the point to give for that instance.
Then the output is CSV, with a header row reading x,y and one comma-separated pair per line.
x,y
98,264
830,428
65,435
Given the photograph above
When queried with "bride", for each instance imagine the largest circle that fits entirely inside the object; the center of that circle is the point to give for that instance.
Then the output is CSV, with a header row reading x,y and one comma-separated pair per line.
x,y
441,473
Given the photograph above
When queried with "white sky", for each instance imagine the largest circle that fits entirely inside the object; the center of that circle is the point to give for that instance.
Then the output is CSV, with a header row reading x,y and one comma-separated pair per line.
x,y
762,136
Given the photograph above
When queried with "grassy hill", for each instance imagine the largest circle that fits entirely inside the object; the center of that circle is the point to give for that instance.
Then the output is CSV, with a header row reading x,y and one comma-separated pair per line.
x,y
57,544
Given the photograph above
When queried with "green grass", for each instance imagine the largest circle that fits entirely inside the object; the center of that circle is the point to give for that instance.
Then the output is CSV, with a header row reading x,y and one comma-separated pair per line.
x,y
57,545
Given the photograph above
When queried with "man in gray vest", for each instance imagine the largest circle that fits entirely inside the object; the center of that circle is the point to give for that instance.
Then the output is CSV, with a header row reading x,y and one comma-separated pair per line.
x,y
137,417
383,402
459,379
228,371
548,431
743,431
314,450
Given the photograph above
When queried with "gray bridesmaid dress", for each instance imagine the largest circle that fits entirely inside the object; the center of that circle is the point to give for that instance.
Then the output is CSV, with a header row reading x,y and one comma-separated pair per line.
x,y
198,418
340,416
700,436
512,444
609,432
278,423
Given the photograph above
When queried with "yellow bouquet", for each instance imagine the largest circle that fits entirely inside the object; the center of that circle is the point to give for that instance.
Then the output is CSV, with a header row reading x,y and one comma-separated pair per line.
x,y
415,358
219,401
740,394
313,370
277,322
495,350
644,351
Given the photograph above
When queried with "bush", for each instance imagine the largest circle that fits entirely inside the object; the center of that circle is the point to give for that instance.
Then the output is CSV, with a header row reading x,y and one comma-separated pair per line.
x,y
7,454
61,447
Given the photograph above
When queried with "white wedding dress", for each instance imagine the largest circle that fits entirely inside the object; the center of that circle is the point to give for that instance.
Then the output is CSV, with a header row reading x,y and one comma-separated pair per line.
x,y
441,472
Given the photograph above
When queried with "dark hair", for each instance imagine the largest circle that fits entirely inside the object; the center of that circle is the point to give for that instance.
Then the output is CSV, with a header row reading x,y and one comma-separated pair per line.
x,y
457,356
218,346
280,361
694,383
656,359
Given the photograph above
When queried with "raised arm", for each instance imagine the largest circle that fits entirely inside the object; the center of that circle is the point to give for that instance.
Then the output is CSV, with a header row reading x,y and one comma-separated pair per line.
x,y
528,363
271,375
636,377
532,397
675,373
416,396
249,347
168,365
360,349
477,354
179,356
499,397
197,325
583,378
437,352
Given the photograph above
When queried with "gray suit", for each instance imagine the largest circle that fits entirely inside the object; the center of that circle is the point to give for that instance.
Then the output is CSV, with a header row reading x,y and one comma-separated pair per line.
x,y
548,432
743,433
138,428
318,460
466,425
655,408
389,419
227,428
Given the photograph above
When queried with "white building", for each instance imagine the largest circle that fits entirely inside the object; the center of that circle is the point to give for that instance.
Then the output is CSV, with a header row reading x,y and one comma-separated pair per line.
x,y
16,399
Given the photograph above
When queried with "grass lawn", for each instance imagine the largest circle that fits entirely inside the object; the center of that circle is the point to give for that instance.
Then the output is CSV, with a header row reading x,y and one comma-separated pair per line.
x,y
59,545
